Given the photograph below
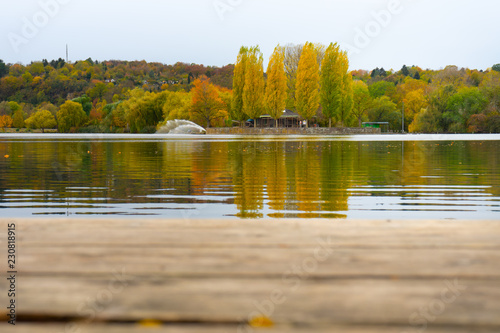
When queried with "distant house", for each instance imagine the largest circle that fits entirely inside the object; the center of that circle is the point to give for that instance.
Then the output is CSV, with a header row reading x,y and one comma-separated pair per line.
x,y
287,119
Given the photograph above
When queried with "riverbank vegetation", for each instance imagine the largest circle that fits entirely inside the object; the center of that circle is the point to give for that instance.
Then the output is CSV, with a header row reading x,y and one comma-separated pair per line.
x,y
311,79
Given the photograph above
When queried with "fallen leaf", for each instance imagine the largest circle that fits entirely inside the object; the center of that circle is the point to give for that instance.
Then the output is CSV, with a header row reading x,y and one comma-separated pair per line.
x,y
151,323
6,156
261,322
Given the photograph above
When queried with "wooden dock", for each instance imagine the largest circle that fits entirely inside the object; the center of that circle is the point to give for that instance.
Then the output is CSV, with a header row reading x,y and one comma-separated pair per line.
x,y
133,275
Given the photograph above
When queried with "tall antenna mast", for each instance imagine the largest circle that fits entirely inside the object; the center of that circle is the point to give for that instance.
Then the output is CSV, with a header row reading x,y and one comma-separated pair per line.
x,y
66,52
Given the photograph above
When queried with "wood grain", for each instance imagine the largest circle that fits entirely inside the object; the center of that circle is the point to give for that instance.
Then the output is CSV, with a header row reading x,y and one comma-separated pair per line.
x,y
216,275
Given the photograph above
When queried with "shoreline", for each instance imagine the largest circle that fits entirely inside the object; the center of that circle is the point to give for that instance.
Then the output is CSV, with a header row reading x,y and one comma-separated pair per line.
x,y
255,137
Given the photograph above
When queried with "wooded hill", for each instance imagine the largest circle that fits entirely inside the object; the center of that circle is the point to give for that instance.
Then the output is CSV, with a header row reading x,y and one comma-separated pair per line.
x,y
137,96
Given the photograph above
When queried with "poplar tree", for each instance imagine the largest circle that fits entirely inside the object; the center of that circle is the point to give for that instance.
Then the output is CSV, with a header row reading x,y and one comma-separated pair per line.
x,y
336,85
253,90
345,112
331,82
292,58
238,85
276,89
307,88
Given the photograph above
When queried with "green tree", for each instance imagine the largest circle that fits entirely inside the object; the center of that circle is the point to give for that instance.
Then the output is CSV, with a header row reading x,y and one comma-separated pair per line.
x,y
239,84
362,100
426,121
98,91
405,71
177,106
48,106
462,105
276,93
380,88
27,78
41,119
378,72
70,115
307,88
143,113
336,85
85,102
18,119
14,106
253,91
4,70
493,122
385,110
495,67
490,87
438,103
37,68
5,109
331,82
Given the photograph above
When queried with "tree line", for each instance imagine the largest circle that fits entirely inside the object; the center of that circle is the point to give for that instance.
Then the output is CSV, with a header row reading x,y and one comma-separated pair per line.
x,y
311,79
304,78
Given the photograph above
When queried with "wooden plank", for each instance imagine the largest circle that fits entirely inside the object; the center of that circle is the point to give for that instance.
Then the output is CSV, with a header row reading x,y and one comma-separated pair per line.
x,y
136,328
340,262
220,273
259,233
292,300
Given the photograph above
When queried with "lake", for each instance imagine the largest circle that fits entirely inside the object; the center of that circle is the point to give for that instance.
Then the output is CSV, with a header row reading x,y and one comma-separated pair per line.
x,y
375,177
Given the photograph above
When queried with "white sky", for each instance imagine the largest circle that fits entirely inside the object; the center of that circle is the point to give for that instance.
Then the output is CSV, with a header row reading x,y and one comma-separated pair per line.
x,y
426,33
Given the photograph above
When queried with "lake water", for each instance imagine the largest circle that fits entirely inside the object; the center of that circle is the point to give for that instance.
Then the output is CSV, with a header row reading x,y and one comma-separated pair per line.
x,y
384,176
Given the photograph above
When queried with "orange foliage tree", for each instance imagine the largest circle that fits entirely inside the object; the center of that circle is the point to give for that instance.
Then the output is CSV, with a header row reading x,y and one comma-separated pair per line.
x,y
207,106
5,121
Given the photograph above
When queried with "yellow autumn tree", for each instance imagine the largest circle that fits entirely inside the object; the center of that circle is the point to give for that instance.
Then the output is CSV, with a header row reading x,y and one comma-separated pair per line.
x,y
70,116
41,119
253,91
239,84
276,94
344,114
414,101
307,88
292,58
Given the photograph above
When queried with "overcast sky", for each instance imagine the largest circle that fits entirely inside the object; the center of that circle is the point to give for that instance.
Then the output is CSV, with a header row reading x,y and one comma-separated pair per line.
x,y
378,33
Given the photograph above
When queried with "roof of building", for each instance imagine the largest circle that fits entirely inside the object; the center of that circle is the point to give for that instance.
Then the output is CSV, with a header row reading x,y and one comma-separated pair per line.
x,y
286,114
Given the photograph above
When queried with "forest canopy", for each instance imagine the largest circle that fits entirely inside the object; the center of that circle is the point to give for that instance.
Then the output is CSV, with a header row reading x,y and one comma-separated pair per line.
x,y
311,79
